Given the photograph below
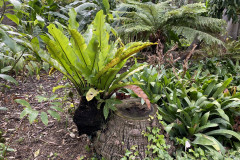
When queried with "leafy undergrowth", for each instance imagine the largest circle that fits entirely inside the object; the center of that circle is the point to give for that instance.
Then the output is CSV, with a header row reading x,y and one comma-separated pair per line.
x,y
57,140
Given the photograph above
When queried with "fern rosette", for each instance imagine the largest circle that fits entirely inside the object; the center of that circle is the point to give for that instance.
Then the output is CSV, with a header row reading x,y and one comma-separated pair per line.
x,y
90,60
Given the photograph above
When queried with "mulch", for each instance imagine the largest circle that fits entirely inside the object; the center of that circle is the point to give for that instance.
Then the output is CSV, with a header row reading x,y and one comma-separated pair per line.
x,y
58,140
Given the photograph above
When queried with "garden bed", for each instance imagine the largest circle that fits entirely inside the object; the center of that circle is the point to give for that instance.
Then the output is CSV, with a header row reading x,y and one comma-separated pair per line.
x,y
57,140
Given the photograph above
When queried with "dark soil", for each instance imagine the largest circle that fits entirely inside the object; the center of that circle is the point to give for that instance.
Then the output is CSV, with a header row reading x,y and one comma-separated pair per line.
x,y
58,140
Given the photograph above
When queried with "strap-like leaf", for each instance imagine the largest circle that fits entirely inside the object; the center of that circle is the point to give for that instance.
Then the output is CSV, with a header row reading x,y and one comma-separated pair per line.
x,y
224,132
222,88
8,78
126,54
135,68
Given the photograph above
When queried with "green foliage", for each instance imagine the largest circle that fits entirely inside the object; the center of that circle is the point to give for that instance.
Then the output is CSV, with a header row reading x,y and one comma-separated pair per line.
x,y
223,68
157,148
153,82
3,147
164,22
3,150
199,105
33,114
216,8
89,59
15,57
233,49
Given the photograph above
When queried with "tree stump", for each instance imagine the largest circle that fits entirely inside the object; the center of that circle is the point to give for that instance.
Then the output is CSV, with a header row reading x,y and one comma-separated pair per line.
x,y
125,128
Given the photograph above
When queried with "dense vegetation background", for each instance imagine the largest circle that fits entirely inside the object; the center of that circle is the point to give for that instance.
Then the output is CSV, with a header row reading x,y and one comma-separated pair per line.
x,y
181,55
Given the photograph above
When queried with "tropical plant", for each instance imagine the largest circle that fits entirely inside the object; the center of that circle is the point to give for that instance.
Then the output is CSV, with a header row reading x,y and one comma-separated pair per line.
x,y
89,61
153,82
200,113
163,21
86,11
223,68
15,57
33,114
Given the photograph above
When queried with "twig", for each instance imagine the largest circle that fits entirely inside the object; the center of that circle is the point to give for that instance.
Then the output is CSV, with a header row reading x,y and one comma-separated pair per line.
x,y
48,142
17,60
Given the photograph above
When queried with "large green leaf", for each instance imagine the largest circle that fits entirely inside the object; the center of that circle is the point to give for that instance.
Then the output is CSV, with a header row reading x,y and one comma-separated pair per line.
x,y
44,118
207,126
32,116
134,48
202,139
64,54
204,119
9,42
222,88
135,68
235,103
17,5
73,24
46,57
12,17
224,132
8,78
79,47
223,114
23,102
102,37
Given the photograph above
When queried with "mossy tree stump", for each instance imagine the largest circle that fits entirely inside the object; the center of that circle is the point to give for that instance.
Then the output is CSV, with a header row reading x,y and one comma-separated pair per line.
x,y
125,128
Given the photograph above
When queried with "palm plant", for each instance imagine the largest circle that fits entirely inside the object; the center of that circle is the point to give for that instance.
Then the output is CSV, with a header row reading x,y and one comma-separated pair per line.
x,y
163,21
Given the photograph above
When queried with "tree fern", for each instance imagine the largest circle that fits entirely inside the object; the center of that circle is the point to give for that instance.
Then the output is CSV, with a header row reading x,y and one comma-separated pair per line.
x,y
161,19
190,34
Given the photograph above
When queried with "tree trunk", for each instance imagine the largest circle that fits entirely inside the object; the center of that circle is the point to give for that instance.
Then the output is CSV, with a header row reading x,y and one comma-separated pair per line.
x,y
233,29
125,130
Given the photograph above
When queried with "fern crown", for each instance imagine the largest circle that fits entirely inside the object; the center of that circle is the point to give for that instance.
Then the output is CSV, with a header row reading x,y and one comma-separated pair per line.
x,y
160,19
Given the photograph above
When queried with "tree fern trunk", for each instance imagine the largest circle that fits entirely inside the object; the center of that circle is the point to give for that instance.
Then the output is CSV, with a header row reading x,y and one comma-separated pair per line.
x,y
233,29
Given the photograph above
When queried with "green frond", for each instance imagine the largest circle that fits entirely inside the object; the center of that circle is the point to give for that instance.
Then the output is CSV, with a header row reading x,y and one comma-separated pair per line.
x,y
191,33
137,28
210,24
148,18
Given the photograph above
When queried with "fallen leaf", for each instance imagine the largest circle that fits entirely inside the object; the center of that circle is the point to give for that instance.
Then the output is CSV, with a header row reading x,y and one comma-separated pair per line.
x,y
36,153
140,93
72,135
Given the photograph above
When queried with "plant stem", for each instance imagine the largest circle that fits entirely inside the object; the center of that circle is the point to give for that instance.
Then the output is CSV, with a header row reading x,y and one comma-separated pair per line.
x,y
4,9
17,60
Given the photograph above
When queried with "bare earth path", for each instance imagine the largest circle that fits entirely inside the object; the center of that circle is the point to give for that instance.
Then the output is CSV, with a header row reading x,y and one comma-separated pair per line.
x,y
58,140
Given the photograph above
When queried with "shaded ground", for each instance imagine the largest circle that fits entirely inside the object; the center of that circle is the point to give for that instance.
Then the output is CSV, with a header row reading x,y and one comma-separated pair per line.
x,y
58,140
